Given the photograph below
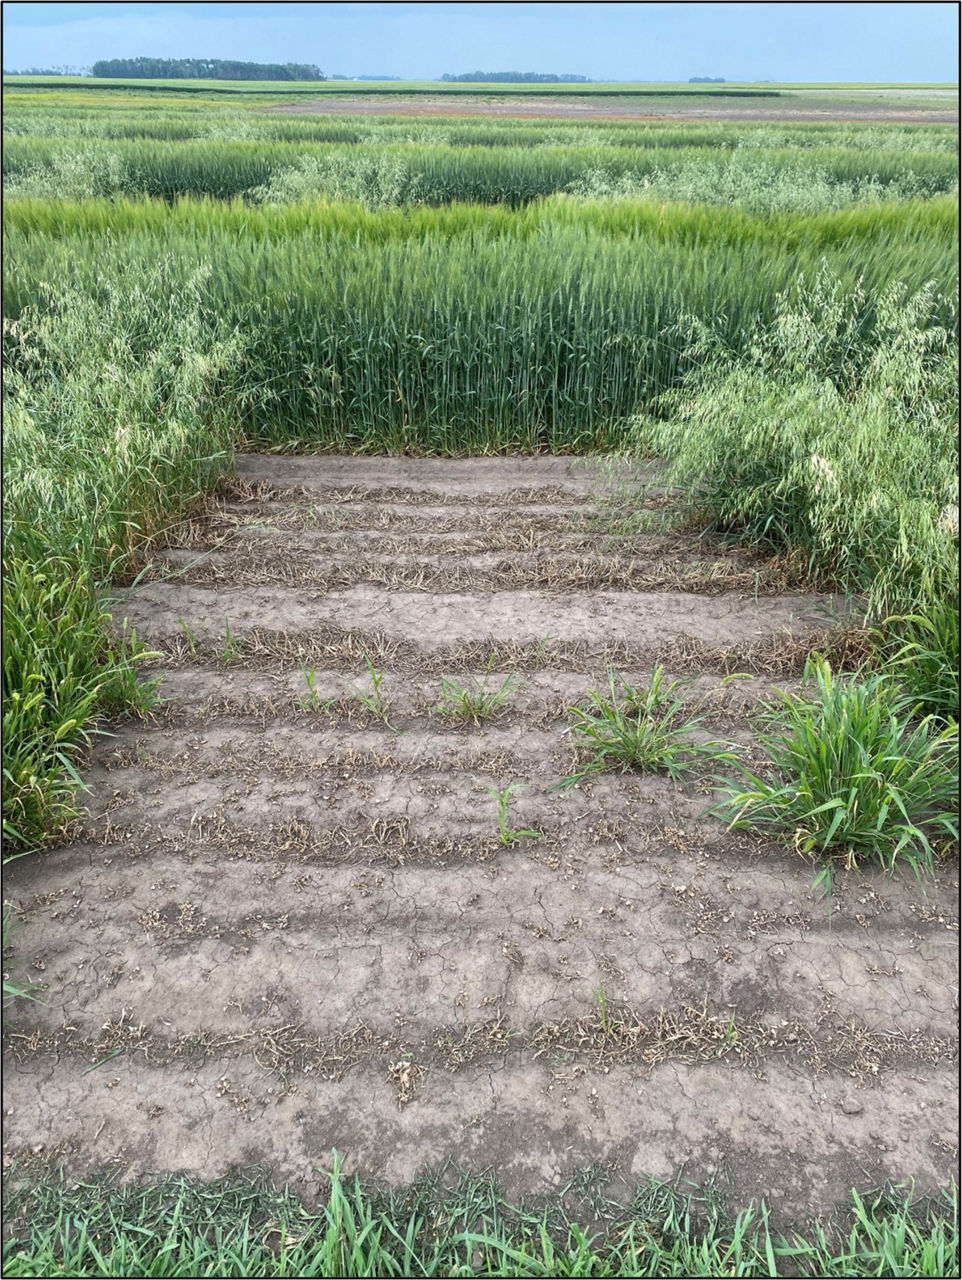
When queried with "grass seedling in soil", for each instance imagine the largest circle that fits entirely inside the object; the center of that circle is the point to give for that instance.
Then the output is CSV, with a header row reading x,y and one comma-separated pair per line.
x,y
474,703
314,701
11,991
852,773
601,1001
191,640
506,834
629,727
232,647
374,700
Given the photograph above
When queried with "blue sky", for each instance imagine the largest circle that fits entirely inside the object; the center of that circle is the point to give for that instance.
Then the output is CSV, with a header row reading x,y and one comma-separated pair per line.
x,y
903,42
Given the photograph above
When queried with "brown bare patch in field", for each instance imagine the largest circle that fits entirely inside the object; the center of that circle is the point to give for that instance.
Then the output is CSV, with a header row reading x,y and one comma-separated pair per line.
x,y
295,917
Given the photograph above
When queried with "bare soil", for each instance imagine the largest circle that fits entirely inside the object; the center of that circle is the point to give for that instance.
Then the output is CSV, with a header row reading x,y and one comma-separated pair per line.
x,y
288,924
820,106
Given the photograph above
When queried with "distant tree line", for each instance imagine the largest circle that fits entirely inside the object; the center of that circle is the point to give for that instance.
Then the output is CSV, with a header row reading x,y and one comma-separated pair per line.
x,y
514,77
49,71
706,80
203,69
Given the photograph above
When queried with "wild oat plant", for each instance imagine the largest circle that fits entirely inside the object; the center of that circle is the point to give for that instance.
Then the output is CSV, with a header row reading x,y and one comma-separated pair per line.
x,y
630,727
475,702
852,773
374,700
506,833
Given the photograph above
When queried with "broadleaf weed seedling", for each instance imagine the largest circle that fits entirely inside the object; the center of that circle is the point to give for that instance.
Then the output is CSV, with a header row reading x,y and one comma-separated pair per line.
x,y
506,834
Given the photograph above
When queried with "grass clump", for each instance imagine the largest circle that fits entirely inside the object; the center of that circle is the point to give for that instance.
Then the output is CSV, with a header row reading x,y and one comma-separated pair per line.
x,y
851,773
630,727
62,666
474,703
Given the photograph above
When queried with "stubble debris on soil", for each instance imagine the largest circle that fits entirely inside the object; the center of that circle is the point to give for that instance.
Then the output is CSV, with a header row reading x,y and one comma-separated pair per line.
x,y
289,922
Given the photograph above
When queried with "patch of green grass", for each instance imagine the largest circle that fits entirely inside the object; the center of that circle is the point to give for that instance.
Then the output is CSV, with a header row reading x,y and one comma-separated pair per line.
x,y
852,774
237,1227
63,664
111,426
923,651
832,436
474,702
630,727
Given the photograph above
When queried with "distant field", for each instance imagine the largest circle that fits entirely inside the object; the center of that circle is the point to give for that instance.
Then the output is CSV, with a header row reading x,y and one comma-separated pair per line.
x,y
776,103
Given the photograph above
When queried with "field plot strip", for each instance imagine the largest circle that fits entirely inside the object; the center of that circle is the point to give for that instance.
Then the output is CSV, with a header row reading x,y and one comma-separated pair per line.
x,y
317,903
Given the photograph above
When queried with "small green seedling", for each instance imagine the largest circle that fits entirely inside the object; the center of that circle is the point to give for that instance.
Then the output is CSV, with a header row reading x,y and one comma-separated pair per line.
x,y
601,1000
232,647
374,701
731,1032
474,703
191,639
314,701
507,835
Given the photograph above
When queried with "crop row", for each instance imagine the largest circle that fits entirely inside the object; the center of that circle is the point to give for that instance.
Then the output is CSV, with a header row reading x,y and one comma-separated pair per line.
x,y
416,171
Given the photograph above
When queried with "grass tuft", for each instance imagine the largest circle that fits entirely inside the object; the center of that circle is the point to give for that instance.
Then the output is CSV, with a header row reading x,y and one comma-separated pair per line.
x,y
474,702
851,773
629,727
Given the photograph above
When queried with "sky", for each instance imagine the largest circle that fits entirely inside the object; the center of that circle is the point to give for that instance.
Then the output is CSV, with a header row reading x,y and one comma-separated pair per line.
x,y
784,41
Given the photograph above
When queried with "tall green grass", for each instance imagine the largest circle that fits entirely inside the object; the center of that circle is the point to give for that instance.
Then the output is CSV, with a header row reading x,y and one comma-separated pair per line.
x,y
112,425
832,435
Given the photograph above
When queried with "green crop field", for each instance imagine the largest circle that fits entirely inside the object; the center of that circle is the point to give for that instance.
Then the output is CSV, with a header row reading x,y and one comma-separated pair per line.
x,y
767,308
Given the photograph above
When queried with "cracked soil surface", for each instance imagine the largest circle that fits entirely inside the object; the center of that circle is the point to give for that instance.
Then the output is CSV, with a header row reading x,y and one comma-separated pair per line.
x,y
288,923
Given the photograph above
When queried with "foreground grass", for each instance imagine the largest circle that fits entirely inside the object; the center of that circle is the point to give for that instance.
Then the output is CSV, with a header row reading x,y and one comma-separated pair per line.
x,y
238,1227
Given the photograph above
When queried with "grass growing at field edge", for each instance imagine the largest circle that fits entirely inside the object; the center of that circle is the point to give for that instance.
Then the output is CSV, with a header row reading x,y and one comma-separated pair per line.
x,y
244,1227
